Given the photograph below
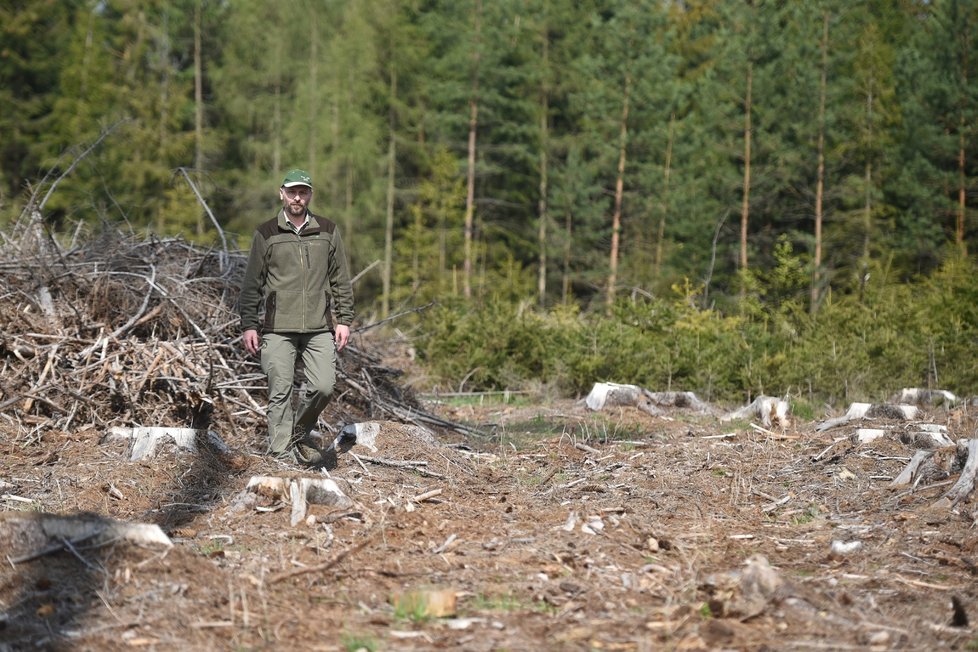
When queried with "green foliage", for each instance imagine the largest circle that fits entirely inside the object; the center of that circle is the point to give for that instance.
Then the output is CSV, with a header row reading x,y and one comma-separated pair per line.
x,y
358,642
896,336
379,98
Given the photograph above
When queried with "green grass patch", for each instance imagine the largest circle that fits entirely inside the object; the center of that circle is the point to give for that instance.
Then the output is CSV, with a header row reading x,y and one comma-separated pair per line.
x,y
355,642
412,607
509,603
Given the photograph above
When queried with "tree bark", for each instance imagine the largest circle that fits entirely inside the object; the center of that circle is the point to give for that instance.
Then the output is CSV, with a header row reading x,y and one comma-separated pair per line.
x,y
389,221
313,105
661,232
745,204
619,193
820,173
470,171
868,181
542,202
198,105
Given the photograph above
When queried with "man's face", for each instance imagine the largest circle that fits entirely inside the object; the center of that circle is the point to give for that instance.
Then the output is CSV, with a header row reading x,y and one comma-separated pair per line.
x,y
295,199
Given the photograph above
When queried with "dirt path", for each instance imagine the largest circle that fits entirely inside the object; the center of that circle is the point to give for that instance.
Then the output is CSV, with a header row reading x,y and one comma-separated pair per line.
x,y
568,530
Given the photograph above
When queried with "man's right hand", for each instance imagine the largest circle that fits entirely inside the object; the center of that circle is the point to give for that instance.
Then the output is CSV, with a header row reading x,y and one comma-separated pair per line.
x,y
251,341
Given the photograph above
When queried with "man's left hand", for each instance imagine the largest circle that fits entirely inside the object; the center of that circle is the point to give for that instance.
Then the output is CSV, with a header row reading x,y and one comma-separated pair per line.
x,y
342,336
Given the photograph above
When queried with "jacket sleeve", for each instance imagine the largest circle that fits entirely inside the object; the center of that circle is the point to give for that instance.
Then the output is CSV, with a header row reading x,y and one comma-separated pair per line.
x,y
339,282
251,285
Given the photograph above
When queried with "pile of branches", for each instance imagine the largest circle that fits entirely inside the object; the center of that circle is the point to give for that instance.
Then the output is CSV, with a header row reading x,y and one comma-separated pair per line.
x,y
111,329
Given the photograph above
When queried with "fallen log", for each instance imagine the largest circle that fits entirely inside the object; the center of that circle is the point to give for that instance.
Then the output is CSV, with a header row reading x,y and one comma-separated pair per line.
x,y
616,394
918,396
772,411
870,411
28,535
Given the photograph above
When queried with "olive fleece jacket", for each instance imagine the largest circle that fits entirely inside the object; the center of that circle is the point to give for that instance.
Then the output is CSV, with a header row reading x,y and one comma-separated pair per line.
x,y
299,276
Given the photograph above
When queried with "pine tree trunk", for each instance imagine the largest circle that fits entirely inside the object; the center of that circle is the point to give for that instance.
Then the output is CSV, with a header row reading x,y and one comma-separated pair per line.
x,y
313,106
619,193
542,205
661,231
470,171
820,172
568,234
389,221
745,206
198,107
276,135
868,181
962,191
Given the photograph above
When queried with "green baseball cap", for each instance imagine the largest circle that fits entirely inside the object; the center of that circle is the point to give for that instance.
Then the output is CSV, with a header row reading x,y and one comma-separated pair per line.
x,y
297,178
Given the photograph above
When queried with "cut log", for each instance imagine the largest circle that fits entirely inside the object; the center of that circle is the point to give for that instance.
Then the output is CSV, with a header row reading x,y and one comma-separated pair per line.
x,y
917,396
929,436
966,482
145,440
871,411
683,400
607,394
615,394
300,493
910,470
929,466
772,411
28,535
867,435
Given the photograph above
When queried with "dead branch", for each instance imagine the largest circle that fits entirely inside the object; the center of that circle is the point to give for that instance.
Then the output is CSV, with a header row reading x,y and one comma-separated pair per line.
x,y
335,561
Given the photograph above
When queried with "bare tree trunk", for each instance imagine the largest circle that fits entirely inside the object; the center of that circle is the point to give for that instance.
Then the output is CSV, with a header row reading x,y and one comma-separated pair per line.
x,y
568,234
962,191
277,112
389,221
868,181
415,252
820,173
470,171
336,166
313,106
619,193
164,102
198,106
542,202
661,232
745,205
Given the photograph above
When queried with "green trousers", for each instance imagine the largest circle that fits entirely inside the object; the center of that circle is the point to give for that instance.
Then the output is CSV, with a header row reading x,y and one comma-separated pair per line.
x,y
279,353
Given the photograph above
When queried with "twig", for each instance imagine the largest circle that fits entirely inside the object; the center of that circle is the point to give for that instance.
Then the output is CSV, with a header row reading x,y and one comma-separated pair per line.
x,y
318,568
364,271
414,465
420,498
74,164
366,328
584,447
360,462
223,258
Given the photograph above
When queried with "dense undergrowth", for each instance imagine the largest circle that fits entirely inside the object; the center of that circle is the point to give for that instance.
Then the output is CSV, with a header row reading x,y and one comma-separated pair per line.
x,y
862,346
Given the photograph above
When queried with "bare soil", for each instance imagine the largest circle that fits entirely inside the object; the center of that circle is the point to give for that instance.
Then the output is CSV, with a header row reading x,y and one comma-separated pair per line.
x,y
565,529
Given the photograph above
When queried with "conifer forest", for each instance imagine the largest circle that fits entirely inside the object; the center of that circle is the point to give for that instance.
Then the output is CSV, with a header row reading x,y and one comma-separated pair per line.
x,y
749,195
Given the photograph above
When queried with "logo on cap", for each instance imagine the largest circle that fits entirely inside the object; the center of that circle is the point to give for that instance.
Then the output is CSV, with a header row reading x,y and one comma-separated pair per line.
x,y
297,178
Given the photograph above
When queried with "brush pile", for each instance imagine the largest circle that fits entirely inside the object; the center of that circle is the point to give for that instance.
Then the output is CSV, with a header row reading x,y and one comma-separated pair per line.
x,y
115,330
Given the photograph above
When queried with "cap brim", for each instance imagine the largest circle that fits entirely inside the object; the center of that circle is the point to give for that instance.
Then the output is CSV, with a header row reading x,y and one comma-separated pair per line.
x,y
296,183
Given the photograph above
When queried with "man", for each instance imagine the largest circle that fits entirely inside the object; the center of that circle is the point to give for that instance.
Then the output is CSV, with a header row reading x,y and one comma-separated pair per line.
x,y
298,267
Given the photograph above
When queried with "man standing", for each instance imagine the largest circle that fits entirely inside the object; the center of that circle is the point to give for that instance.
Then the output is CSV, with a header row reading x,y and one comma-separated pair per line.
x,y
297,265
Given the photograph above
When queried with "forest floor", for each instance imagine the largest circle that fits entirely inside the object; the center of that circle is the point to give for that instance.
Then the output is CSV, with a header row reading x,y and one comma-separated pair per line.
x,y
564,529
